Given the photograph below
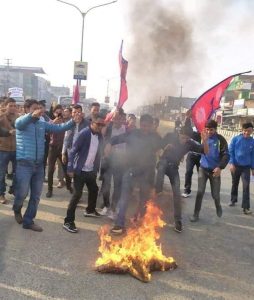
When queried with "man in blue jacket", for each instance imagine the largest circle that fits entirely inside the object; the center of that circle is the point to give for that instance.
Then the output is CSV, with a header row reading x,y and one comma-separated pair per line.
x,y
241,150
83,166
211,165
30,141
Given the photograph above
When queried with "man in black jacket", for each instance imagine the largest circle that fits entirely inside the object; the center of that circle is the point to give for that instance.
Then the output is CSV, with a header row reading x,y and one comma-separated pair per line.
x,y
176,145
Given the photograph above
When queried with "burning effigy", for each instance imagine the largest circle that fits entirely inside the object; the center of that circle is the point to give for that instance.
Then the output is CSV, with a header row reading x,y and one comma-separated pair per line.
x,y
137,253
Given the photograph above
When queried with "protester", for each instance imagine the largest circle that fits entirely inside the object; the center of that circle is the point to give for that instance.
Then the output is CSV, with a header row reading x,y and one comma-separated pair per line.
x,y
45,117
141,147
30,133
176,145
178,124
241,150
70,136
113,165
192,160
7,145
55,150
61,173
211,165
94,111
83,166
131,122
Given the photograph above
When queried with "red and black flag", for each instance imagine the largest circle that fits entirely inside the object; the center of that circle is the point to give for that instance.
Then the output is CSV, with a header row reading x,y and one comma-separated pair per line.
x,y
205,106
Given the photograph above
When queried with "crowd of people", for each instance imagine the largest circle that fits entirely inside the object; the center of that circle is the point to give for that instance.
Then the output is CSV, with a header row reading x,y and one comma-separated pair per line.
x,y
119,153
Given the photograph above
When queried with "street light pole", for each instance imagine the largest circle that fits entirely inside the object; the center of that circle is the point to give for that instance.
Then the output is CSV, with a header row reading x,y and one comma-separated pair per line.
x,y
83,14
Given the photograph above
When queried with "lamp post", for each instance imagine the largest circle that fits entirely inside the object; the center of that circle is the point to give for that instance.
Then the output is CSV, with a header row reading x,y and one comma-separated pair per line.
x,y
83,14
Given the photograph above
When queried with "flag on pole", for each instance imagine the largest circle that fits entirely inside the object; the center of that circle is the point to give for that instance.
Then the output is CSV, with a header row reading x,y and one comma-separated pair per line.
x,y
209,102
75,97
123,95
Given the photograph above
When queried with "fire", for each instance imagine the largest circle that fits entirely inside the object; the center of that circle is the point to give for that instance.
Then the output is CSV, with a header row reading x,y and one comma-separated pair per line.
x,y
137,252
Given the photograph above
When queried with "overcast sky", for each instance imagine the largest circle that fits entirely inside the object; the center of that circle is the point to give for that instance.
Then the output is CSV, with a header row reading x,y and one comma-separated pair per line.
x,y
47,34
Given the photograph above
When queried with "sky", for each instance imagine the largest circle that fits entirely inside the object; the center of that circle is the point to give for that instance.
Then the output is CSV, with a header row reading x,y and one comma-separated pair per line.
x,y
168,43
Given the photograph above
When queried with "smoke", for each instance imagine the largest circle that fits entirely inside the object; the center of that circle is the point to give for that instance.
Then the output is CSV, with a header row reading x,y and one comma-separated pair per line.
x,y
169,46
163,50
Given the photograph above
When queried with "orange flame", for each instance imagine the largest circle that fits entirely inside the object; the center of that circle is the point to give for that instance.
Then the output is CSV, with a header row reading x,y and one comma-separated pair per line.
x,y
137,252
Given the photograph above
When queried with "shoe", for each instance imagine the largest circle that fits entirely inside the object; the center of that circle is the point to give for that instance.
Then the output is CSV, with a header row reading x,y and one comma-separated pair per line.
x,y
3,200
93,214
186,195
18,217
219,211
61,184
178,226
247,211
71,227
232,204
45,180
111,215
49,194
104,211
33,227
117,230
194,218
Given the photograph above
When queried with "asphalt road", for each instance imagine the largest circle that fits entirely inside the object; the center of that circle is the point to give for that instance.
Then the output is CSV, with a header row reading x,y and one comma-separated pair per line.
x,y
215,256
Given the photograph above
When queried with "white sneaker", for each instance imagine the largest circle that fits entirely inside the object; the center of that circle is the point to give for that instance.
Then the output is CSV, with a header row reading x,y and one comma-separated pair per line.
x,y
111,215
104,211
186,195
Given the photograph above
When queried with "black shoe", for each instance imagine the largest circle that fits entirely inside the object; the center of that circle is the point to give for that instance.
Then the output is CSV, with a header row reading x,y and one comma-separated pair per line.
x,y
49,194
71,227
194,218
18,217
178,226
219,211
93,214
117,230
231,204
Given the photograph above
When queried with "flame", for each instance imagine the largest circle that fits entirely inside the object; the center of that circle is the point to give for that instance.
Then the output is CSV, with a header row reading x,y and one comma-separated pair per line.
x,y
137,252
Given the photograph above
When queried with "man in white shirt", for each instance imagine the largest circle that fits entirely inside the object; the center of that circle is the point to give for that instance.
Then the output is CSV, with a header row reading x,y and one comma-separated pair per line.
x,y
83,165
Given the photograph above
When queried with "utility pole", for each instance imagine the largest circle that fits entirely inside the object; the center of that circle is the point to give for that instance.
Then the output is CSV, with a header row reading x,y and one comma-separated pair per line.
x,y
181,95
7,78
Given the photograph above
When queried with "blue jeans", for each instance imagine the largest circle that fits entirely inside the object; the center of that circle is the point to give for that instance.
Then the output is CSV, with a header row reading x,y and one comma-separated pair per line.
x,y
29,175
5,158
144,180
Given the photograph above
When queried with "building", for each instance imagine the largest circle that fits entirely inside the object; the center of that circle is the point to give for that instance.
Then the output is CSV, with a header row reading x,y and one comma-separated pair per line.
x,y
237,105
34,86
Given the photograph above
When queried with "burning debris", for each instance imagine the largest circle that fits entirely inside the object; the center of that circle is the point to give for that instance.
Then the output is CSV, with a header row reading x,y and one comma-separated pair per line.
x,y
137,253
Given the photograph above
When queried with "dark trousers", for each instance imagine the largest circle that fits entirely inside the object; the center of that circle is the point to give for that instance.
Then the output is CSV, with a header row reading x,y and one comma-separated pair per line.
x,y
55,152
192,160
244,174
46,152
173,175
131,176
159,179
117,173
215,182
88,178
